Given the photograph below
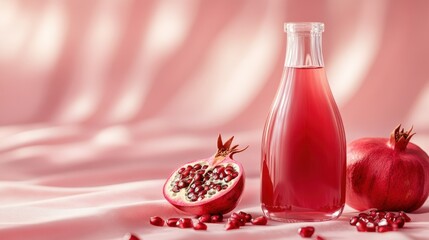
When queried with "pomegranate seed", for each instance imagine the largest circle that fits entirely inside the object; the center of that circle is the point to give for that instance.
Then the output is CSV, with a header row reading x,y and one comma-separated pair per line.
x,y
306,232
172,222
373,212
379,221
354,220
198,177
369,219
157,221
261,220
200,226
383,222
405,216
236,216
361,226
182,184
380,214
130,236
228,178
370,227
319,238
217,218
364,219
184,223
198,189
239,218
232,224
197,166
247,217
389,215
206,218
176,189
383,228
185,174
398,222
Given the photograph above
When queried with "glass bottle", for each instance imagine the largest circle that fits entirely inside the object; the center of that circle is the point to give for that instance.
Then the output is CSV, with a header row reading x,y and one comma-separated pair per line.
x,y
303,163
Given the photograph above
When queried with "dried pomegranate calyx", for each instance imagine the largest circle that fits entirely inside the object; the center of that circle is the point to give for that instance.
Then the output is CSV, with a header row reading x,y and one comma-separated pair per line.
x,y
225,149
399,139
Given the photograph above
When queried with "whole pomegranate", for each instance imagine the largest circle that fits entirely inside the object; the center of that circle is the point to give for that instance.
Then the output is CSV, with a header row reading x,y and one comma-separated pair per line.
x,y
208,186
387,174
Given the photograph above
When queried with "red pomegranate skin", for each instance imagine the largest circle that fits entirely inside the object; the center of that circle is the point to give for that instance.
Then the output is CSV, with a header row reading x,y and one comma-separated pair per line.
x,y
387,174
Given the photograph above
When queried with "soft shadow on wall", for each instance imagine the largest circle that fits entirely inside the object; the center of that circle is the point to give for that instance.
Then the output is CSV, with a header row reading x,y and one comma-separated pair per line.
x,y
207,65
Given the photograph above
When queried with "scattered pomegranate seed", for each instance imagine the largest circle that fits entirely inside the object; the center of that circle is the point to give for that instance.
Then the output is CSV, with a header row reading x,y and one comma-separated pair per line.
x,y
306,232
398,222
216,218
206,218
157,221
172,222
200,226
185,223
383,222
370,227
381,229
354,220
380,214
241,220
405,216
247,217
389,215
379,221
319,238
232,224
361,226
262,220
130,236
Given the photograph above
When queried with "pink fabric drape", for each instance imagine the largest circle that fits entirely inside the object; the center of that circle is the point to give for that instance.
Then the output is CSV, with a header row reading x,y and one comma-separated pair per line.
x,y
101,100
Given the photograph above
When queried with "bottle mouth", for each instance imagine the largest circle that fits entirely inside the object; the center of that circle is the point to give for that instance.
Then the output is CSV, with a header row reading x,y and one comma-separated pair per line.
x,y
312,27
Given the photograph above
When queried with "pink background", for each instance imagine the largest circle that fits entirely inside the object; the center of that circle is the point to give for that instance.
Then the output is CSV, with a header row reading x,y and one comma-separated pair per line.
x,y
101,100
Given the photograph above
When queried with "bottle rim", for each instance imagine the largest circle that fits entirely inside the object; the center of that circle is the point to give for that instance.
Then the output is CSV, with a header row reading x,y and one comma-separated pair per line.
x,y
313,27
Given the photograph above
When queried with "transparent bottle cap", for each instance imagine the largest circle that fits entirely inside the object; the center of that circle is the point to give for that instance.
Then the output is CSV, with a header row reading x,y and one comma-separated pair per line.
x,y
315,27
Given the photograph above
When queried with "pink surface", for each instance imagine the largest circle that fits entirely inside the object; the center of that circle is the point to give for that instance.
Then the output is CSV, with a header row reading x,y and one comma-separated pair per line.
x,y
101,100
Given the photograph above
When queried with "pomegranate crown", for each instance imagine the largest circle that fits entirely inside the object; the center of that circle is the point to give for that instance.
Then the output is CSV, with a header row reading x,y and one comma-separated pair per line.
x,y
225,149
399,139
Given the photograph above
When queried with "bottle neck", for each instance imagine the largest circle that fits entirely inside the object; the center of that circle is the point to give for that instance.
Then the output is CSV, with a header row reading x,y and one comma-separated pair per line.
x,y
304,49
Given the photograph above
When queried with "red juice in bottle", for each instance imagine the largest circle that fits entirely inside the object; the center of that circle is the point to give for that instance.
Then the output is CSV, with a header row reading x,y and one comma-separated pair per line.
x,y
303,147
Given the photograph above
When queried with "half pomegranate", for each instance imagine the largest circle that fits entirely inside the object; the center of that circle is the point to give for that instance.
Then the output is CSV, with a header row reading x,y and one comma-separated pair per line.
x,y
208,186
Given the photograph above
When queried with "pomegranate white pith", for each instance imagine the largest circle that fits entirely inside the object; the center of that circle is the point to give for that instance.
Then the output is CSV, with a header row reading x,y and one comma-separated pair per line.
x,y
207,186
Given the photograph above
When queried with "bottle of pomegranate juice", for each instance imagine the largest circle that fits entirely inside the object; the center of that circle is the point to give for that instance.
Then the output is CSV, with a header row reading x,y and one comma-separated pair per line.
x,y
303,144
